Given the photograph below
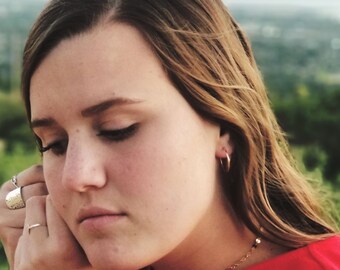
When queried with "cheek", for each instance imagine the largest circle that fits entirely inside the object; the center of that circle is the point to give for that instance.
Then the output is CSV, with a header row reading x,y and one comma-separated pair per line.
x,y
52,174
163,175
151,167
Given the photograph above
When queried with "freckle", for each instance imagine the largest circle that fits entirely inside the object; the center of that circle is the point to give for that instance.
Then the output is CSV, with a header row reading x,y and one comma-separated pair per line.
x,y
64,206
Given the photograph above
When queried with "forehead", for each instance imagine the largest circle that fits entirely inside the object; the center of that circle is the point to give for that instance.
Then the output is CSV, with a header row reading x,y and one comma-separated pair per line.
x,y
112,59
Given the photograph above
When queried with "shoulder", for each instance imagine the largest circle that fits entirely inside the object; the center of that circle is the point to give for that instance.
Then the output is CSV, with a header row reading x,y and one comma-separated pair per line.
x,y
319,255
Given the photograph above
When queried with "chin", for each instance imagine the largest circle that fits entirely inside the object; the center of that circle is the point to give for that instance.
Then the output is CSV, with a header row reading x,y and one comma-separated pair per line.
x,y
100,264
105,258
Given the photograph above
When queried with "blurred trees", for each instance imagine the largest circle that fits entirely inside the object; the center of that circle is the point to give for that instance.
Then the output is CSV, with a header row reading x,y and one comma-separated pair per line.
x,y
14,129
16,18
314,122
298,51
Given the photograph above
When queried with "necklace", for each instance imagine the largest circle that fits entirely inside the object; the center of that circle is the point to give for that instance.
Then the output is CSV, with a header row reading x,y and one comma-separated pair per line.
x,y
256,243
245,257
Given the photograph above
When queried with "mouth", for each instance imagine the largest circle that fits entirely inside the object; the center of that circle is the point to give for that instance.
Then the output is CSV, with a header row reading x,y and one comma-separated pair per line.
x,y
93,214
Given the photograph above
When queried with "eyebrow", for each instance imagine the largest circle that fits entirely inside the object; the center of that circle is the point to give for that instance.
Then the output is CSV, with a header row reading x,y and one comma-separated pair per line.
x,y
43,122
88,112
107,104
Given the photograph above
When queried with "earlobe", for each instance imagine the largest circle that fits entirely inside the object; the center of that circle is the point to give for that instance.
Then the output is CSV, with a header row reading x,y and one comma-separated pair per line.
x,y
224,151
224,146
226,165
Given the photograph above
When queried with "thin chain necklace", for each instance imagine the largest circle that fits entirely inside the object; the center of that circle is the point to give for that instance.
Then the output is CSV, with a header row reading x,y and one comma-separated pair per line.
x,y
256,243
245,257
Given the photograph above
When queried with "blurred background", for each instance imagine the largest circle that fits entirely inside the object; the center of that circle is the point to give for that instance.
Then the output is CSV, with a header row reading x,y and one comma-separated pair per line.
x,y
297,47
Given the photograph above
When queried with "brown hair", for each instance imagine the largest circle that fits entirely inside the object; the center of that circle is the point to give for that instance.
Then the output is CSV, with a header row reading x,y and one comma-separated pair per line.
x,y
209,60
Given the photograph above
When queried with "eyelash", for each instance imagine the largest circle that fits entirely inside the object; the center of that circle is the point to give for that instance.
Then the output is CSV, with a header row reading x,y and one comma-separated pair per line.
x,y
59,147
119,135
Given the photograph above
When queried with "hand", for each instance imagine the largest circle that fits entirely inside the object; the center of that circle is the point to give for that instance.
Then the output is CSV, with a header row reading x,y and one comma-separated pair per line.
x,y
12,221
50,246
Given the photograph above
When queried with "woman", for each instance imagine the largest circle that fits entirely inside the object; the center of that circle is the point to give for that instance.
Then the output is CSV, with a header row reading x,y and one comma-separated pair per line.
x,y
159,148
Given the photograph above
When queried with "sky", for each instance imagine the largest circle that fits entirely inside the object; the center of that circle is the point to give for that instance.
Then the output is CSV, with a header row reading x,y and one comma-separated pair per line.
x,y
326,7
289,2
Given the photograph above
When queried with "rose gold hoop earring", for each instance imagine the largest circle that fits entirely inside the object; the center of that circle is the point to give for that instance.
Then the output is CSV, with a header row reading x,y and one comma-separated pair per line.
x,y
228,161
226,170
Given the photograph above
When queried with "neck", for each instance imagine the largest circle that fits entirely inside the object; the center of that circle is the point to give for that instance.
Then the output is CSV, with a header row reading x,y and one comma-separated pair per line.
x,y
217,242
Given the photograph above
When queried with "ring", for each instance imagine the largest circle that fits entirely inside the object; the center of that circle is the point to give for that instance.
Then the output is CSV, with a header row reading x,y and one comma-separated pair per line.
x,y
14,181
14,199
30,227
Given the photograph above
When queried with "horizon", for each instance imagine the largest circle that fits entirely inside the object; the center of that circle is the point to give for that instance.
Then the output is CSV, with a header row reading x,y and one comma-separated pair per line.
x,y
318,3
329,8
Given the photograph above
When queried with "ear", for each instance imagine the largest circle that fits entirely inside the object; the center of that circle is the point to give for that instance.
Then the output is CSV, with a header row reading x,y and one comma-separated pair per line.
x,y
224,145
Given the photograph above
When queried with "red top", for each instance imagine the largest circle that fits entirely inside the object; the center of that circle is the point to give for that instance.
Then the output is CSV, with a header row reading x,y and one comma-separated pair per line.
x,y
320,255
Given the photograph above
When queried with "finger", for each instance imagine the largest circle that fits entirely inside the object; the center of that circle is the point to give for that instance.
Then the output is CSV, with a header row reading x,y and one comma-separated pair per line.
x,y
56,225
60,234
36,214
32,244
10,242
37,189
12,219
34,174
15,218
29,176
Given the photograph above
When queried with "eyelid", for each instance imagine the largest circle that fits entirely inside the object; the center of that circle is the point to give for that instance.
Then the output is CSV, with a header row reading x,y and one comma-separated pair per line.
x,y
43,149
57,147
118,134
45,135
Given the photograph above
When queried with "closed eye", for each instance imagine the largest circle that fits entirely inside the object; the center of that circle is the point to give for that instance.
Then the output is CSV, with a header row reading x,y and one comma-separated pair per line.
x,y
118,135
57,148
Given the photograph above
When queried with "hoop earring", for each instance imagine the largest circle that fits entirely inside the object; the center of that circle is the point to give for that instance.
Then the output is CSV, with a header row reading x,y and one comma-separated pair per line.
x,y
226,170
228,161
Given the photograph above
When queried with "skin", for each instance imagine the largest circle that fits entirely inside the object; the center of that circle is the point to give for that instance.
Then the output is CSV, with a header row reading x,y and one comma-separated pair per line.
x,y
149,195
12,221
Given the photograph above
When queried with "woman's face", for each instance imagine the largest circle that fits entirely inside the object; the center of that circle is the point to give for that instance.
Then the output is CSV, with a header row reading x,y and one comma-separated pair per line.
x,y
129,165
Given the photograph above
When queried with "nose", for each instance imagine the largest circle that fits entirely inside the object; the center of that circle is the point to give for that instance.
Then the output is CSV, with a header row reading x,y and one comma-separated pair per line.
x,y
84,167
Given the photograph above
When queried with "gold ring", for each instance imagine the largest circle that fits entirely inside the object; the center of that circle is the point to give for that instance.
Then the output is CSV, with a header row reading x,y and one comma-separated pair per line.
x,y
30,227
14,199
14,181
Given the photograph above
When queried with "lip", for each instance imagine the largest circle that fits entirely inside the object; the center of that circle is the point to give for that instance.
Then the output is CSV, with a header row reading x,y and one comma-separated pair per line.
x,y
95,213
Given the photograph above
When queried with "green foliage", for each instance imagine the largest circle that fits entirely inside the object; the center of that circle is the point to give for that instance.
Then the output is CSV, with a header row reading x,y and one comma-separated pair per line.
x,y
4,266
16,161
292,45
13,123
314,121
15,21
328,193
313,158
3,260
